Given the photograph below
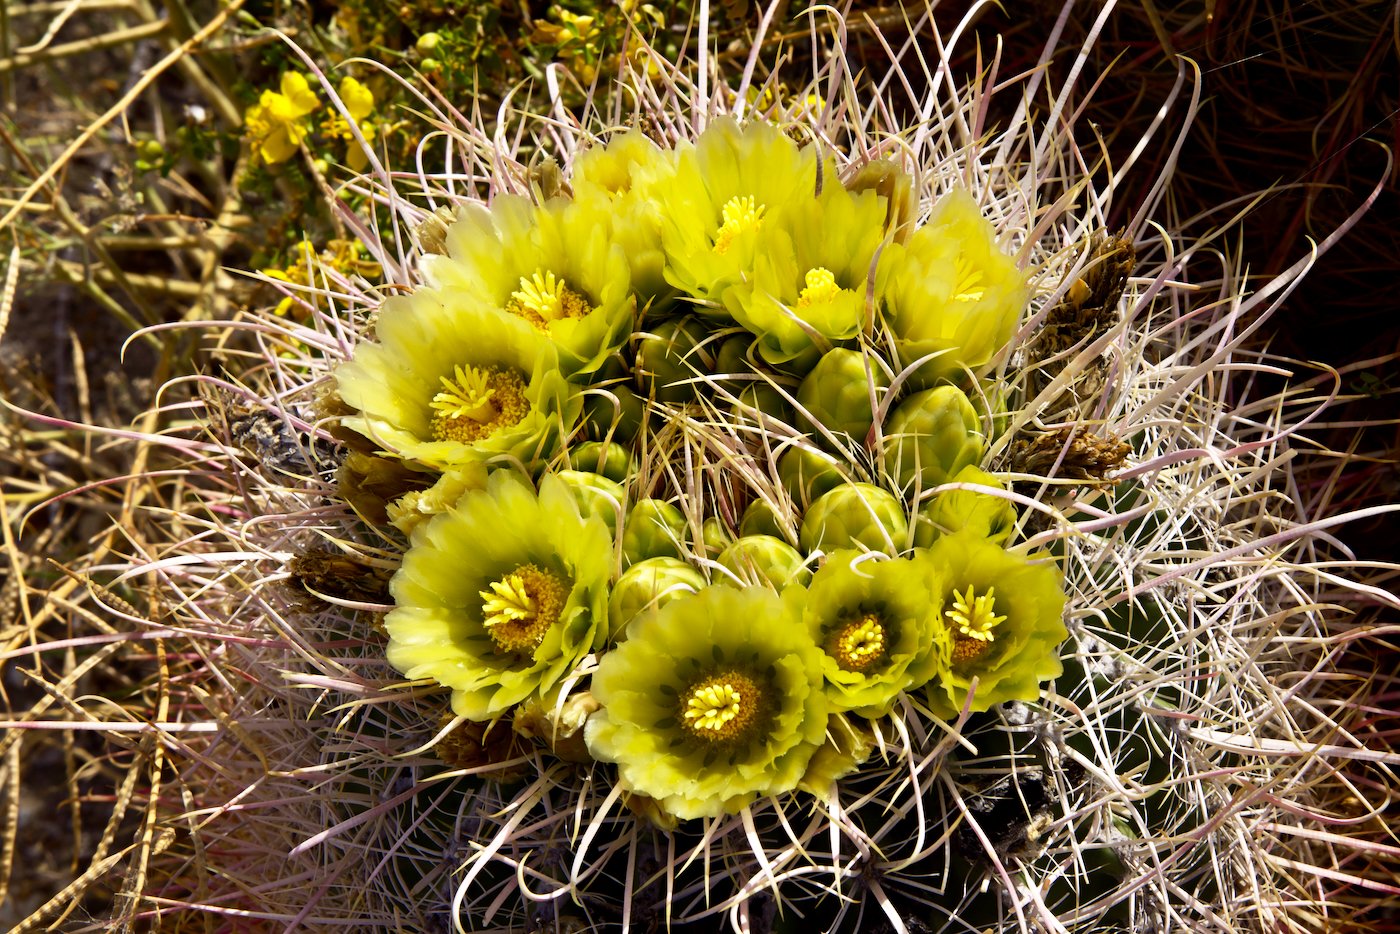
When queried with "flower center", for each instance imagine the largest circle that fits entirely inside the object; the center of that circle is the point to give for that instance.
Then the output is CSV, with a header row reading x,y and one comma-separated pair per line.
x,y
519,608
821,288
859,644
543,299
477,401
741,215
721,707
973,619
969,279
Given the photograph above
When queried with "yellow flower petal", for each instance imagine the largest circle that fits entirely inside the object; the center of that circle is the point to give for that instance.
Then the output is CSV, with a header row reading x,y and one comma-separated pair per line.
x,y
280,145
298,94
358,99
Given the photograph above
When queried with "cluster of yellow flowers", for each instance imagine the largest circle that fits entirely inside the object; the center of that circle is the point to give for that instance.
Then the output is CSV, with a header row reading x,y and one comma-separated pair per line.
x,y
278,124
700,442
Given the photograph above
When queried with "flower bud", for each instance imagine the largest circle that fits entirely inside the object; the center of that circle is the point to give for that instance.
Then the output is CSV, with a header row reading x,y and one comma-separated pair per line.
x,y
837,393
930,437
760,559
649,585
855,515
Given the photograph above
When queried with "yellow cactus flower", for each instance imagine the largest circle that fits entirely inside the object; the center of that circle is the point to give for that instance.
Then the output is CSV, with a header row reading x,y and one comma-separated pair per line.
x,y
276,124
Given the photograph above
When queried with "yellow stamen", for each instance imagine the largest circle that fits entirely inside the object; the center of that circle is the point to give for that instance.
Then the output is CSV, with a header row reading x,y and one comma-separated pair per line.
x,y
972,615
973,619
466,395
722,707
520,607
544,298
821,287
476,402
968,278
741,215
713,706
507,602
859,644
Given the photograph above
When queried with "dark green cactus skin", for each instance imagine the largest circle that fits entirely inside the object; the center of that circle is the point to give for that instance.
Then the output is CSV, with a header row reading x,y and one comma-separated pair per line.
x,y
856,515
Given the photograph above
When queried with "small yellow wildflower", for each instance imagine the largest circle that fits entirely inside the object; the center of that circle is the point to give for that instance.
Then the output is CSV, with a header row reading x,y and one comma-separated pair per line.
x,y
359,104
275,125
342,256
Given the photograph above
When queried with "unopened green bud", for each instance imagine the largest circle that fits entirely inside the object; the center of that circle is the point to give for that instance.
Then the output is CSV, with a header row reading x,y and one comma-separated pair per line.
x,y
807,473
715,536
649,585
838,394
930,437
760,559
596,495
653,529
613,411
427,44
760,519
856,515
670,357
609,458
988,515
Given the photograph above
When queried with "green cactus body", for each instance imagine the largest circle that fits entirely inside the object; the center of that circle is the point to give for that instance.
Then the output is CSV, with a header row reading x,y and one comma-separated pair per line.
x,y
764,559
856,515
648,585
930,437
837,393
653,529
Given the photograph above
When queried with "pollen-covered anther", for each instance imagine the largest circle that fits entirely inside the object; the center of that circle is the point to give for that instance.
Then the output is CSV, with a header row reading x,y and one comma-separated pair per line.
x,y
476,401
544,298
741,215
820,287
859,644
969,281
520,607
721,707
